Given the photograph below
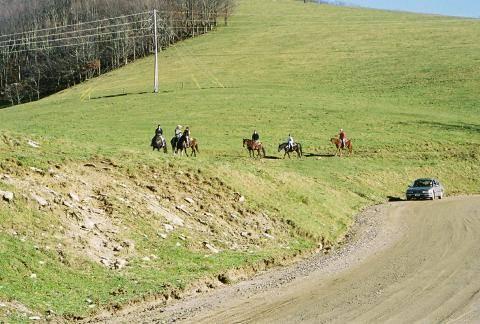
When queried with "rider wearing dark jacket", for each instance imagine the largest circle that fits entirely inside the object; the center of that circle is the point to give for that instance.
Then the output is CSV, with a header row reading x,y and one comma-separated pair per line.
x,y
159,131
159,135
255,136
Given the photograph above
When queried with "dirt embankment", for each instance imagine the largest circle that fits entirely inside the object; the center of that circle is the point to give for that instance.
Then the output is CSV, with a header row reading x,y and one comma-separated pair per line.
x,y
407,262
98,207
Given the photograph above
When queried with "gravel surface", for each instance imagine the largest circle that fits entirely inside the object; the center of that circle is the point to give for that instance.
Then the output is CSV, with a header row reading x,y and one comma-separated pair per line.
x,y
370,234
404,262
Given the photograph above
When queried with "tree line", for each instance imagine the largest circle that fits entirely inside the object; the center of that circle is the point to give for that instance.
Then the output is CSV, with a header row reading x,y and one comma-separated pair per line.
x,y
49,45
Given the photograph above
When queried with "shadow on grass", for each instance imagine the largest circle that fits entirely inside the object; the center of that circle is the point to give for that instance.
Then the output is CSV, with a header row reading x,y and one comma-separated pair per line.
x,y
120,95
270,157
393,198
318,155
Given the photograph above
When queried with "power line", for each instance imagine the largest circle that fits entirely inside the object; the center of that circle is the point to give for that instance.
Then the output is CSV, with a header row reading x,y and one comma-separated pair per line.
x,y
100,20
71,38
104,27
76,31
73,25
78,44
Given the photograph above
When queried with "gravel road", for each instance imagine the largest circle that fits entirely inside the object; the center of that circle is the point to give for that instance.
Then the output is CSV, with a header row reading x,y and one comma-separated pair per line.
x,y
405,262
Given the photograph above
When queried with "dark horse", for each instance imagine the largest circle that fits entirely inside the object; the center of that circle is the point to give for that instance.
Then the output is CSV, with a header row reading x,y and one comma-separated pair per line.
x,y
181,145
252,146
158,142
296,147
174,142
338,143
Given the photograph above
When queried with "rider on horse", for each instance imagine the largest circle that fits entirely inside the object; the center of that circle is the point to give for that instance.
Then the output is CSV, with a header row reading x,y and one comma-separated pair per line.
x,y
290,142
159,132
255,138
178,131
186,134
343,138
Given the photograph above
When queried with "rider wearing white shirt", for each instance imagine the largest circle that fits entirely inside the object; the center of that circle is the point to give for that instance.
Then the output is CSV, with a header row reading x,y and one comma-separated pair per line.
x,y
290,142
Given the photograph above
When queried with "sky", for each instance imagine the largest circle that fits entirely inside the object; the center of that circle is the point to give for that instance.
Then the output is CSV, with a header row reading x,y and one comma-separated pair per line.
x,y
465,8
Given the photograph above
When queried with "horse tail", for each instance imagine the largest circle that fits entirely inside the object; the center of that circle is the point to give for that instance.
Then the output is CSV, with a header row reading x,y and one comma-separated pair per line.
x,y
196,147
300,149
263,151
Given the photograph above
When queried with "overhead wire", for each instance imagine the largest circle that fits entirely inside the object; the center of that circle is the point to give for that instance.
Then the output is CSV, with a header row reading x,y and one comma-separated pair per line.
x,y
71,38
77,31
73,25
78,44
94,21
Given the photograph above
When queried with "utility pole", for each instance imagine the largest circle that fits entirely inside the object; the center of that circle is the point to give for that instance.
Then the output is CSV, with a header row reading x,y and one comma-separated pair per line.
x,y
155,86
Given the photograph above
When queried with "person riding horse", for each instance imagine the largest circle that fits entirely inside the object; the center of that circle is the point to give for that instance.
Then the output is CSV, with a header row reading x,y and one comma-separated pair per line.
x,y
158,141
343,138
290,142
178,131
176,138
255,138
159,133
186,133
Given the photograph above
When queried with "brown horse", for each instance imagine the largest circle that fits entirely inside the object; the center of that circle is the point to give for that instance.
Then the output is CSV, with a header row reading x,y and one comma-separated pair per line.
x,y
338,143
182,146
296,147
252,146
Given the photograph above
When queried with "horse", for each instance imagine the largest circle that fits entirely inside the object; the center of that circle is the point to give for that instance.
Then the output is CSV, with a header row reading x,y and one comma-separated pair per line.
x,y
182,145
158,142
338,143
174,142
252,146
296,147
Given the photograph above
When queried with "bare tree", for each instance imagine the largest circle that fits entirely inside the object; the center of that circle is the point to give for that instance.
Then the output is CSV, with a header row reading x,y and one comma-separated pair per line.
x,y
51,58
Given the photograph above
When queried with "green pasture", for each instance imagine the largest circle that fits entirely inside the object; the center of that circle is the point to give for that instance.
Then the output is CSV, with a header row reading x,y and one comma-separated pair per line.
x,y
403,86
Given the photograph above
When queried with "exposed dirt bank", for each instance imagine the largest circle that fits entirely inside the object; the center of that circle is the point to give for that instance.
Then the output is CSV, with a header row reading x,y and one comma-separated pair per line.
x,y
407,262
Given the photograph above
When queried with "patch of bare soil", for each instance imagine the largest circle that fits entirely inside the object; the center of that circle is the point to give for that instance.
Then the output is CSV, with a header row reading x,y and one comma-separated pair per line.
x,y
95,209
14,307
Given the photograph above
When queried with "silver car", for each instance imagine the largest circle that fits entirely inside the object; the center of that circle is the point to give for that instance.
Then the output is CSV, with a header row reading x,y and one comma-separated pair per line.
x,y
425,188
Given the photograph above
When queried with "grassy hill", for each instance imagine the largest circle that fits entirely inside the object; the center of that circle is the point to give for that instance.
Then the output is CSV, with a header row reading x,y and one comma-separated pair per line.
x,y
403,86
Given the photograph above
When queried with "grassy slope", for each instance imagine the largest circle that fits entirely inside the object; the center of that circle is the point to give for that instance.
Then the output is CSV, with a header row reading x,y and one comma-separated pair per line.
x,y
403,86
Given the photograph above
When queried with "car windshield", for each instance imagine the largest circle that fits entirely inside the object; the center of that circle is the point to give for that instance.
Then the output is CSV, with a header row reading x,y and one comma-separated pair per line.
x,y
423,183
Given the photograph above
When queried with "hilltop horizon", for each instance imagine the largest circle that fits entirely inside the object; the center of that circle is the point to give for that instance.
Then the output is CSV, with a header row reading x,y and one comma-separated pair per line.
x,y
462,8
